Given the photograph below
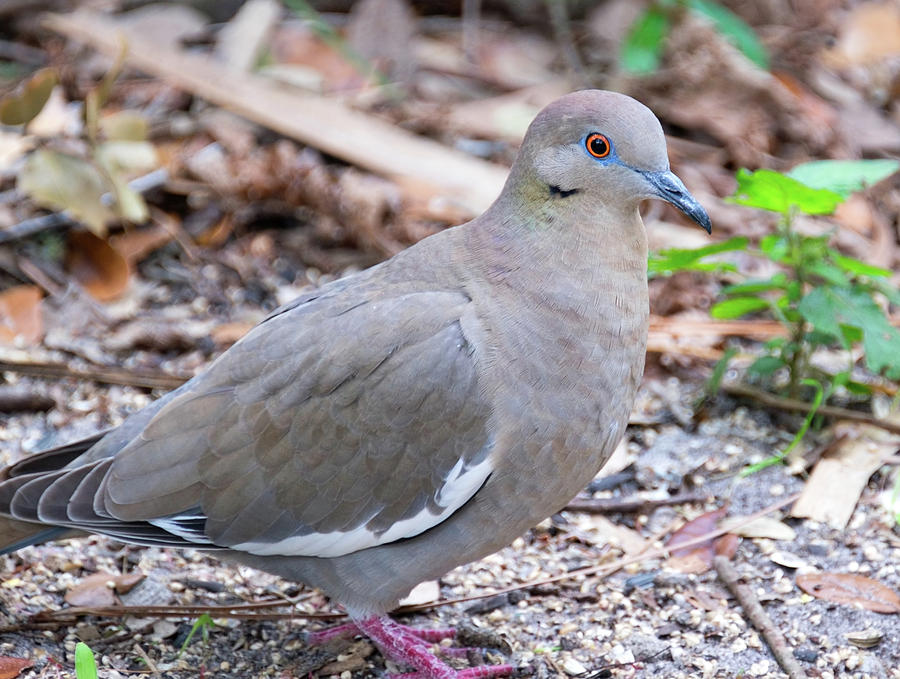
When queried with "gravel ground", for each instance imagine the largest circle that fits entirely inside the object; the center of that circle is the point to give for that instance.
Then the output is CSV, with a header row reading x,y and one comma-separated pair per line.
x,y
644,620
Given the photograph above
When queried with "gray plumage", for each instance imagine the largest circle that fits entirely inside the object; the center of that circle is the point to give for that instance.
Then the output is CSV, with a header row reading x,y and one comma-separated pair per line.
x,y
399,422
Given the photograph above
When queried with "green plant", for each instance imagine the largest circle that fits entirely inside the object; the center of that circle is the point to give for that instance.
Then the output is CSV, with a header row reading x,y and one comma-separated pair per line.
x,y
202,624
822,297
643,45
85,665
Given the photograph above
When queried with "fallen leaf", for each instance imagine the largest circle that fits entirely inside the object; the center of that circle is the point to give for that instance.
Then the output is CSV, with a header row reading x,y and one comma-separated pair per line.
x,y
20,315
126,582
850,588
137,243
763,527
94,590
96,265
871,33
423,593
125,126
22,107
836,482
59,181
699,558
12,667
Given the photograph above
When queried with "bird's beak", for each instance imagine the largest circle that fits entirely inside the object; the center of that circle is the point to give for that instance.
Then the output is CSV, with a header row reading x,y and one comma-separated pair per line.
x,y
672,190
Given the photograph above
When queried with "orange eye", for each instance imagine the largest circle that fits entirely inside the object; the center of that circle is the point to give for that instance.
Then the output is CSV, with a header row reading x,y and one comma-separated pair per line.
x,y
597,145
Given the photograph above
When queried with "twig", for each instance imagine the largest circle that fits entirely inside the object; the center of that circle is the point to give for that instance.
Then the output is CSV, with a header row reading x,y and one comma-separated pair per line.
x,y
243,611
102,374
630,505
754,612
55,220
146,658
29,227
797,405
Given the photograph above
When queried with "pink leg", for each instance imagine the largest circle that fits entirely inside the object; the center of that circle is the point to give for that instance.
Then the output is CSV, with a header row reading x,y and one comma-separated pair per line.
x,y
402,646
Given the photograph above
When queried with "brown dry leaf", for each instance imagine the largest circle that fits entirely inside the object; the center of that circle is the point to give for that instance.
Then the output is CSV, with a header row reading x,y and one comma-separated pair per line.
x,y
97,266
94,590
12,667
136,244
20,315
699,558
870,34
127,581
839,478
850,588
762,527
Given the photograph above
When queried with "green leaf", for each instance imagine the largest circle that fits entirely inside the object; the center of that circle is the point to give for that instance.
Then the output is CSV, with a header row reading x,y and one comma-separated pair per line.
x,y
735,30
642,48
774,246
766,365
737,307
675,259
829,309
844,176
85,665
858,388
830,274
770,190
777,282
857,267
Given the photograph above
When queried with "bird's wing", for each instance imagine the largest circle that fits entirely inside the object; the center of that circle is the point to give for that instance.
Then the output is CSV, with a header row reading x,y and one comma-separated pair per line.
x,y
336,425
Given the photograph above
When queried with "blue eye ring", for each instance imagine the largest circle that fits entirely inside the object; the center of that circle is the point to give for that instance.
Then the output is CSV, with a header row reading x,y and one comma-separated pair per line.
x,y
598,145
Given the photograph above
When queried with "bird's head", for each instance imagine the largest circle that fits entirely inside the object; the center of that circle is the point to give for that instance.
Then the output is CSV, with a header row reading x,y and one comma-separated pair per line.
x,y
601,146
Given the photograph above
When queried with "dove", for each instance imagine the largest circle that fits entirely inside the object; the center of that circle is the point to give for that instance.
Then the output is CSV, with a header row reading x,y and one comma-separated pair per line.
x,y
399,422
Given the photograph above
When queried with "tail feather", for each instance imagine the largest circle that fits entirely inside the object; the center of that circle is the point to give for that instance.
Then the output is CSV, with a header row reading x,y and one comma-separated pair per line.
x,y
14,535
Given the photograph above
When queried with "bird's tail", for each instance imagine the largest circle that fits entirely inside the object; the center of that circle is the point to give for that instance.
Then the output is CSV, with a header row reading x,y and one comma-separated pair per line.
x,y
16,534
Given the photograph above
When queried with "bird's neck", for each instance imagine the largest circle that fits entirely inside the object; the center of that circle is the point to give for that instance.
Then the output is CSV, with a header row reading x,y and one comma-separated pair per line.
x,y
569,244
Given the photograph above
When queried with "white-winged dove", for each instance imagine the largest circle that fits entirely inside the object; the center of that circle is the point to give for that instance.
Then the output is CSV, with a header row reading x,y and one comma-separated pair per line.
x,y
402,421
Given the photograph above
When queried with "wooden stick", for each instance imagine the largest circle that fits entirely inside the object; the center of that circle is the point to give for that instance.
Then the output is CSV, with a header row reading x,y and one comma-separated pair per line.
x,y
102,374
419,164
758,616
796,405
627,505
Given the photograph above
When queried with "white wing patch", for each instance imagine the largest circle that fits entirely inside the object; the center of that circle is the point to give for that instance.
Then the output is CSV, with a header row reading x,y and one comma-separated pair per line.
x,y
459,486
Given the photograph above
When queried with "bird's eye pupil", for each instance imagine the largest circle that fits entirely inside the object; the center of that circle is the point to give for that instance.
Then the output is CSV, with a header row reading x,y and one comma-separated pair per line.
x,y
598,145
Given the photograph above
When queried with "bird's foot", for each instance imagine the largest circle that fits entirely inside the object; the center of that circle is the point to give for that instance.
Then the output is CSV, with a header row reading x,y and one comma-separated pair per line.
x,y
410,647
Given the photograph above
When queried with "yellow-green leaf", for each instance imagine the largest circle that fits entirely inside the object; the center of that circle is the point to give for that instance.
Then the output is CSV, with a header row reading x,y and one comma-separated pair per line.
x,y
124,126
23,107
67,183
